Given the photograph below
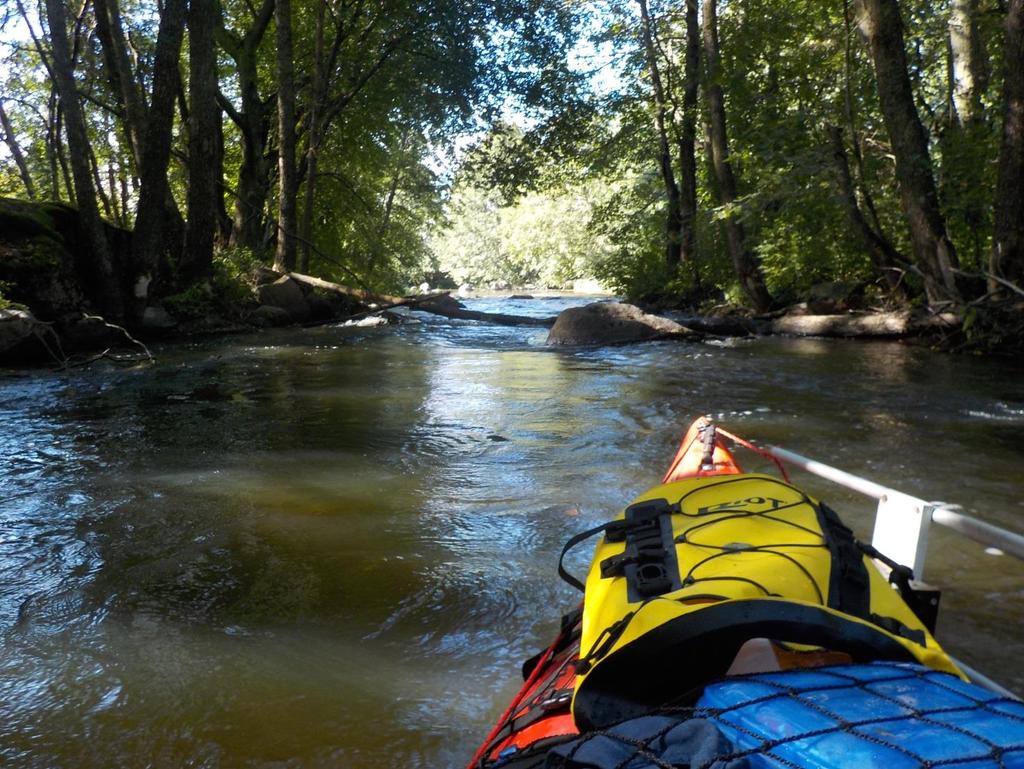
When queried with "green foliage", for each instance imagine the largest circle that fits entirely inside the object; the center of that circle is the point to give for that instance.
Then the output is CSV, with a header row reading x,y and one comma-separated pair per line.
x,y
470,247
35,249
229,289
504,160
544,238
234,271
5,303
564,182
194,302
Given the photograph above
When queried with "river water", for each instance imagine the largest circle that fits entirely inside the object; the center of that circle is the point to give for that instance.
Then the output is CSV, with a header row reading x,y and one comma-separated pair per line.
x,y
333,547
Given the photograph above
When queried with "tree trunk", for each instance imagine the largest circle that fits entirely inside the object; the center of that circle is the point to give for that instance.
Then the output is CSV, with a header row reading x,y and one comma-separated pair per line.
x,y
308,205
851,123
284,258
248,228
78,141
687,142
203,135
962,171
132,100
389,204
62,158
745,262
313,139
51,145
112,191
151,239
934,255
1007,260
253,121
101,193
110,32
967,61
886,325
223,232
673,216
19,158
123,188
884,256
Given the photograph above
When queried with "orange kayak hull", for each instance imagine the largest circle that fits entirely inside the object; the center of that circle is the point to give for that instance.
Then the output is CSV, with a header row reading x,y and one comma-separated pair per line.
x,y
702,453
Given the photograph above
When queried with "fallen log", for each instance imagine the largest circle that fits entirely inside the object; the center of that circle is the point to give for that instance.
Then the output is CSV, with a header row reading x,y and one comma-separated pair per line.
x,y
726,326
358,293
409,302
438,304
885,325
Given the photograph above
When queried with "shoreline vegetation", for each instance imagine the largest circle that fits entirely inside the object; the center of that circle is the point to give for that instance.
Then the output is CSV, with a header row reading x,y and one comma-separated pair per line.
x,y
854,168
68,333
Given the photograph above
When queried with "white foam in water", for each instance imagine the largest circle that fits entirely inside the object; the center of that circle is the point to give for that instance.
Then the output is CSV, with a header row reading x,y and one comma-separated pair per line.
x,y
1002,412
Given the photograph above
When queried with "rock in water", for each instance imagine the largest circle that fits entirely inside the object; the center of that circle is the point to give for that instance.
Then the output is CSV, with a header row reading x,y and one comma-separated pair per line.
x,y
611,323
16,328
156,318
286,294
268,315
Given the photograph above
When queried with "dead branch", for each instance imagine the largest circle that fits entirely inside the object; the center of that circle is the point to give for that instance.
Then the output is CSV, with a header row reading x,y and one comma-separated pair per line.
x,y
123,330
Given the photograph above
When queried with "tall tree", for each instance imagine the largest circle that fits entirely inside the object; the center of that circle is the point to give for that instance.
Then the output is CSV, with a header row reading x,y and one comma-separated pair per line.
x,y
120,73
204,137
78,141
688,140
964,137
861,210
130,97
287,220
1007,260
338,80
19,158
744,261
315,135
151,239
253,120
884,257
968,71
934,255
673,218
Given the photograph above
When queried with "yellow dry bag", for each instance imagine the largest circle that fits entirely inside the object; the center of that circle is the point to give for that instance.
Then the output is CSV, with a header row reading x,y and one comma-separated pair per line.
x,y
694,569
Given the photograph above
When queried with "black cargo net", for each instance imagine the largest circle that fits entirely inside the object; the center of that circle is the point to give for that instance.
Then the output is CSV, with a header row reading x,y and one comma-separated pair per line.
x,y
898,716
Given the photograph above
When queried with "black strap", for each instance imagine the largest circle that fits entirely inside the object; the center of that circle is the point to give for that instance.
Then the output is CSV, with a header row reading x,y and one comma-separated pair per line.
x,y
899,575
638,516
849,587
573,541
648,561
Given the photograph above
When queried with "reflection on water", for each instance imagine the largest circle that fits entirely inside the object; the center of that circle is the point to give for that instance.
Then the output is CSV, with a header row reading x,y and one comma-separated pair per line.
x,y
333,547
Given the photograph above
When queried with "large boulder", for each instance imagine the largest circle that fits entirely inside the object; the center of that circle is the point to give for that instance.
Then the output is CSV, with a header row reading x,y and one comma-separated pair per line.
x,y
37,260
611,323
17,331
268,315
156,318
288,295
46,262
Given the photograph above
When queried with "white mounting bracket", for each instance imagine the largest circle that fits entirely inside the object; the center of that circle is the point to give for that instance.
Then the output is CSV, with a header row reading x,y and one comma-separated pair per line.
x,y
901,529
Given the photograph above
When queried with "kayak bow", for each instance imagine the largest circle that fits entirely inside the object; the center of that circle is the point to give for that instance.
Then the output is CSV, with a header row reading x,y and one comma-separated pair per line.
x,y
707,585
